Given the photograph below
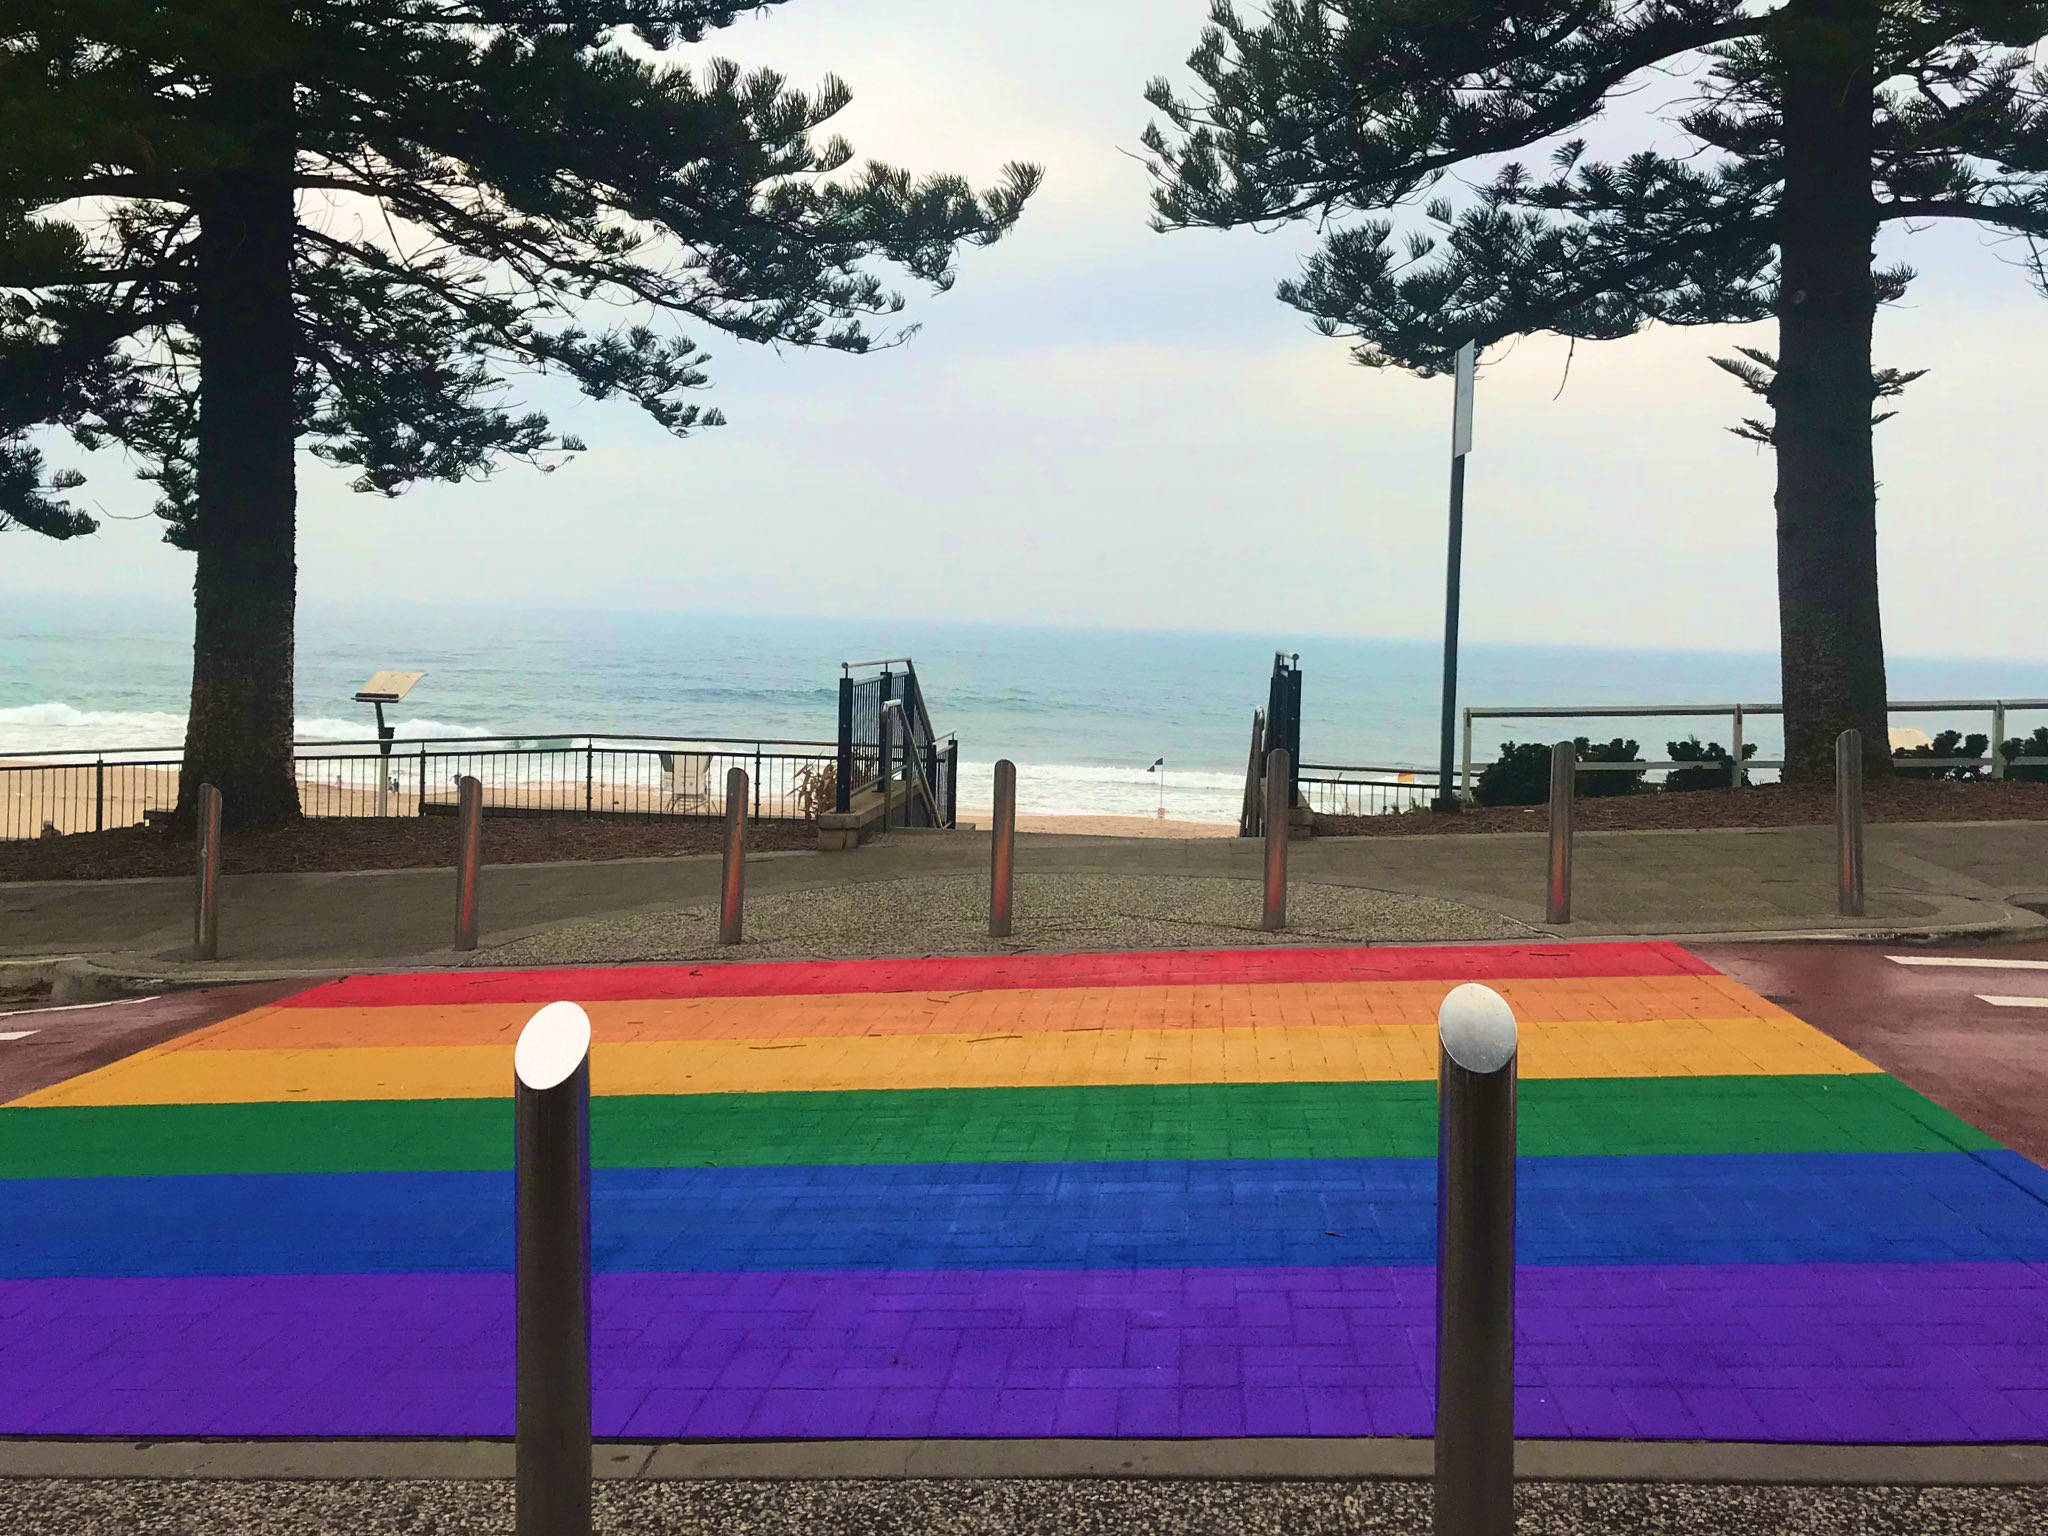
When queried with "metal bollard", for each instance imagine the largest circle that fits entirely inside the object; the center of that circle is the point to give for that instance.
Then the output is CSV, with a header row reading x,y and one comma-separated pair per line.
x,y
551,1224
1564,767
1849,822
1475,1264
1279,805
206,915
1003,850
732,887
469,819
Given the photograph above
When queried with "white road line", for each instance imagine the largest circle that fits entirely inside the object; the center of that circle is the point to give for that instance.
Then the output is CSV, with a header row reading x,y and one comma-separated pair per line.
x,y
16,1034
2014,1002
119,1002
1974,965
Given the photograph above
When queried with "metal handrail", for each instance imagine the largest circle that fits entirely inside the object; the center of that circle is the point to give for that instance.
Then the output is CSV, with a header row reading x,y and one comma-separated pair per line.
x,y
1565,712
579,739
916,759
884,661
1735,713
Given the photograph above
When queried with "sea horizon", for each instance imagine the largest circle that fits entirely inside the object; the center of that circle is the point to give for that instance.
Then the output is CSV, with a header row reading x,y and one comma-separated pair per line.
x,y
1082,711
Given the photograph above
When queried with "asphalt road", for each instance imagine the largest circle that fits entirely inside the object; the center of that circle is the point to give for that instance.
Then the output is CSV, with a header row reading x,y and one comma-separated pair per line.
x,y
41,1044
1967,1025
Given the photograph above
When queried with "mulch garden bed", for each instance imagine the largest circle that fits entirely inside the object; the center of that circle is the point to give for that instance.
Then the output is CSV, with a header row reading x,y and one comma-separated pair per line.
x,y
398,843
1761,805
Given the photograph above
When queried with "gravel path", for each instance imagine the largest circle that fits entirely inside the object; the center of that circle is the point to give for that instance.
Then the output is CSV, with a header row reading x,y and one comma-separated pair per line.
x,y
1051,912
999,1508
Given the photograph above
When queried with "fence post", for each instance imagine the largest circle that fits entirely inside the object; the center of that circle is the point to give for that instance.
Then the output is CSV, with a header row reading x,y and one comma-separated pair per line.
x,y
1475,1264
953,785
732,885
1997,738
551,1244
1002,850
99,795
423,781
469,821
1849,822
206,918
1278,824
842,793
885,767
1735,749
1564,765
1465,762
590,777
757,781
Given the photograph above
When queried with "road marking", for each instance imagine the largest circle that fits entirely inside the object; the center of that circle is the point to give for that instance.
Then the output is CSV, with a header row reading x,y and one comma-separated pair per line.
x,y
119,1002
15,1034
1978,965
2014,1002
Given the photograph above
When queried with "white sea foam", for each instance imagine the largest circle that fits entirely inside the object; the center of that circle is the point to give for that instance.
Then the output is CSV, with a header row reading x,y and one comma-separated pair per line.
x,y
1085,789
55,726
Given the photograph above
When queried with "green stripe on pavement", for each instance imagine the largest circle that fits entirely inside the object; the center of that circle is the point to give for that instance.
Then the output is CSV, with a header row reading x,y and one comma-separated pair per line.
x,y
1571,1117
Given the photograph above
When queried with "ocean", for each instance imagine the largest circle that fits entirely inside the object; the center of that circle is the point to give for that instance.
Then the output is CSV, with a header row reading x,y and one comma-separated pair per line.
x,y
1082,712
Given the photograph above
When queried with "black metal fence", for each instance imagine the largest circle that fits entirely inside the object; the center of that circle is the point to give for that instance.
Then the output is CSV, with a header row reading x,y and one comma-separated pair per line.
x,y
1329,789
1283,715
609,776
886,735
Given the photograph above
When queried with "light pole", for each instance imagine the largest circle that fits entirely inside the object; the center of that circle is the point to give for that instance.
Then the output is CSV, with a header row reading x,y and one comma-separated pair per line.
x,y
1461,444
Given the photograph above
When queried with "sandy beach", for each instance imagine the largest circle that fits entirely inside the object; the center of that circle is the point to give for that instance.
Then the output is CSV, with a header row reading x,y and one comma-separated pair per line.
x,y
74,797
79,797
1106,826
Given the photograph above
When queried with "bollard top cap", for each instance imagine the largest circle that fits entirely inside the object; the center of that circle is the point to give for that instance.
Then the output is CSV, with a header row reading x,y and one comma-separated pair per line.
x,y
1477,1028
552,1045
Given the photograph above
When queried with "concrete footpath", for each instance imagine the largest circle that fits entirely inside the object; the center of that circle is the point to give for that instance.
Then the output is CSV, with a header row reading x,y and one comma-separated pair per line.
x,y
925,893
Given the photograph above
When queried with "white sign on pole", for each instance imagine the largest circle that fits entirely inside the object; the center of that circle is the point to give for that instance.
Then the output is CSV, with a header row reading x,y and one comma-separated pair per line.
x,y
1461,418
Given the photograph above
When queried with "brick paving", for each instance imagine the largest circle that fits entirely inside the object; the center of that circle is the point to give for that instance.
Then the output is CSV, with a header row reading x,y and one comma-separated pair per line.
x,y
1113,1195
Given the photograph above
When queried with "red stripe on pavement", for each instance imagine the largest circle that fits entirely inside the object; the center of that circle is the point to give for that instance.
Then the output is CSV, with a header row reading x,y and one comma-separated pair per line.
x,y
988,973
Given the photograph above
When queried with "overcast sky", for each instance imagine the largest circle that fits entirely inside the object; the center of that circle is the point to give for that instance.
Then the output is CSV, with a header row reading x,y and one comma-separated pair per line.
x,y
1105,426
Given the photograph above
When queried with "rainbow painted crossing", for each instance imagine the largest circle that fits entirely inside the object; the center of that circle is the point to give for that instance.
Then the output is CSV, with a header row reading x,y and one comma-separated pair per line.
x,y
1143,1195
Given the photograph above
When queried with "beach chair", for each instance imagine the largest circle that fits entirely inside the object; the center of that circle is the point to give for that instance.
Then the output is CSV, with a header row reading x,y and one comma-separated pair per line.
x,y
686,782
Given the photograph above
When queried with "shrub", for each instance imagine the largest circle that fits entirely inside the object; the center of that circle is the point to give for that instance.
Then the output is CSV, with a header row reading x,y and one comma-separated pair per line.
x,y
2035,745
1947,744
1715,764
1521,774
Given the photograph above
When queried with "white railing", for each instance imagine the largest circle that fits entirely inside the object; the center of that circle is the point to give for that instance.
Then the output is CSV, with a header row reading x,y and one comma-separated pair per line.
x,y
1736,714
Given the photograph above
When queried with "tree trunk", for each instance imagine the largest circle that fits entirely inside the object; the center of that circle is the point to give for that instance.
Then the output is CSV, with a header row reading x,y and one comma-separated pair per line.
x,y
1831,643
239,736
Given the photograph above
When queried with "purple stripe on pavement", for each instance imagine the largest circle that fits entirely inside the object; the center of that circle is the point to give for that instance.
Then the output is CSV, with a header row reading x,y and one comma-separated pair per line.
x,y
1862,1352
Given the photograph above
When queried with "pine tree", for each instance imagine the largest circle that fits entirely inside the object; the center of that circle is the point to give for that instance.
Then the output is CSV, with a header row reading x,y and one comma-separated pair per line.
x,y
229,228
1812,124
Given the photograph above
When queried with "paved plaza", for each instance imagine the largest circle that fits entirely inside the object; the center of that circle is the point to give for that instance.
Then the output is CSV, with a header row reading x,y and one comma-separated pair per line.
x,y
1120,1195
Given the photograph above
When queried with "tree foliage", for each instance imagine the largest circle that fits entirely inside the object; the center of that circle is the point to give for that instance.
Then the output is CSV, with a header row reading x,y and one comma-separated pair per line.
x,y
1327,107
484,189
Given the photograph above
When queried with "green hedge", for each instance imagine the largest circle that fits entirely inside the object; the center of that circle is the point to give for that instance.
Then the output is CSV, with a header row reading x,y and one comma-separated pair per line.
x,y
1715,768
1521,774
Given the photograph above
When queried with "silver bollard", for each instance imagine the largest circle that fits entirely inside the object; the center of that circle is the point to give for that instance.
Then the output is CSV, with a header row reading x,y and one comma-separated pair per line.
x,y
1003,850
551,1177
1279,822
1475,1264
732,886
1564,767
206,908
469,819
1849,822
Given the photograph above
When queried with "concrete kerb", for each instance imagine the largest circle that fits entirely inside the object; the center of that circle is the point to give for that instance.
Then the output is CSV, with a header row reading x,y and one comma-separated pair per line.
x,y
1639,1461
94,978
